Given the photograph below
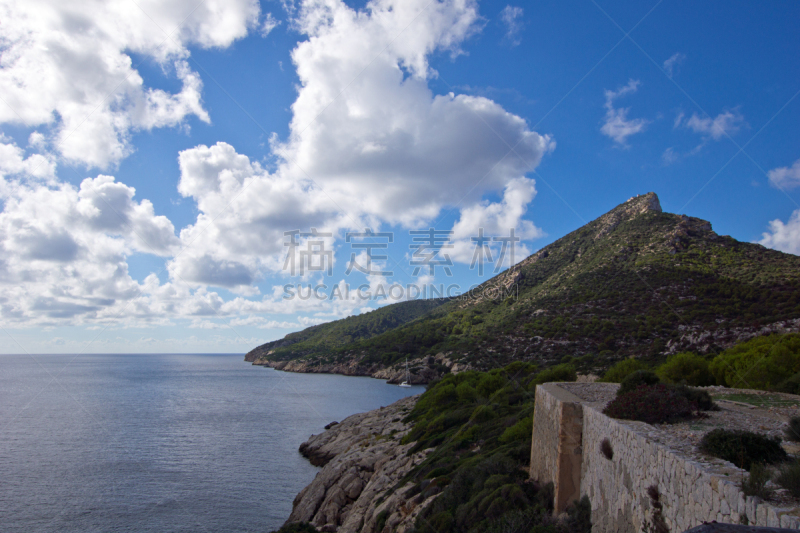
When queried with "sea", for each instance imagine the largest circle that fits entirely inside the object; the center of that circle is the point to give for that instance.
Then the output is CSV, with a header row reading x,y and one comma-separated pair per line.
x,y
162,442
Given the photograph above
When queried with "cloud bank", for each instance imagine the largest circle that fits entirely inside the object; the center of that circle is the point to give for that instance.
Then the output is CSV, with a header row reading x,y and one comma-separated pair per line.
x,y
369,145
69,67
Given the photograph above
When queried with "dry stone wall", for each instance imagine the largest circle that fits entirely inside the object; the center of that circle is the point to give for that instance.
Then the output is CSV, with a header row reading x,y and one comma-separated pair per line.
x,y
617,487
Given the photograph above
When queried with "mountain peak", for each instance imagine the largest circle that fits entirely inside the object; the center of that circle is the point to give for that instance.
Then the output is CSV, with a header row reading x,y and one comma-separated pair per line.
x,y
644,202
635,206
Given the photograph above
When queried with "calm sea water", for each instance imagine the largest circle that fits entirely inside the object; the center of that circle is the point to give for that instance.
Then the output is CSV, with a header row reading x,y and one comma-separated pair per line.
x,y
202,443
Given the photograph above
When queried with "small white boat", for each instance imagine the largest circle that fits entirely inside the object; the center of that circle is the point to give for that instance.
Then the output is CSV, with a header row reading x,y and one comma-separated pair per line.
x,y
408,377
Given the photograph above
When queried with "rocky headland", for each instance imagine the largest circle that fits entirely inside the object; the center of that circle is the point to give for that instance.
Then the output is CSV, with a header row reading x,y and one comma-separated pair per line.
x,y
362,463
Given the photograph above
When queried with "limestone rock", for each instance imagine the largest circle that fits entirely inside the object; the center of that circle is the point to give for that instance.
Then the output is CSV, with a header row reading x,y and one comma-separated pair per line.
x,y
361,459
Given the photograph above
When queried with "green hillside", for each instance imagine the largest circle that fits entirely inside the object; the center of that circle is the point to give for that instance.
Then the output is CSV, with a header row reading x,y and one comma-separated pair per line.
x,y
324,338
635,282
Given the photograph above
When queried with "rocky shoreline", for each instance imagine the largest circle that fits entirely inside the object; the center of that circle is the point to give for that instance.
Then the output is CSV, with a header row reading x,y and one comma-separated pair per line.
x,y
362,462
423,369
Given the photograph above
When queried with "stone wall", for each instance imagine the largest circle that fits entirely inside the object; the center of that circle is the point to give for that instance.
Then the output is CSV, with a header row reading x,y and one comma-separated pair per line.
x,y
617,487
558,424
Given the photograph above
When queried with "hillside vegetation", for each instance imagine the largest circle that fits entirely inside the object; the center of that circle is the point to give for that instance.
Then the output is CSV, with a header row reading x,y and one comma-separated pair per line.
x,y
327,338
480,425
768,362
636,282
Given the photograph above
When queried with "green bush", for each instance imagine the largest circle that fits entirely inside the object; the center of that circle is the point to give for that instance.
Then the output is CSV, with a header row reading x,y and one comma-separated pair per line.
x,y
699,398
789,477
520,431
686,368
742,448
621,369
489,485
636,379
760,363
792,432
562,372
654,404
489,383
466,393
791,385
483,413
579,516
756,482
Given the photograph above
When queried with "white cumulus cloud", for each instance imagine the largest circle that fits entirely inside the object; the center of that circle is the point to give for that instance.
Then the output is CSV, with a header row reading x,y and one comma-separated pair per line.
x,y
784,236
497,220
785,177
68,67
369,144
64,249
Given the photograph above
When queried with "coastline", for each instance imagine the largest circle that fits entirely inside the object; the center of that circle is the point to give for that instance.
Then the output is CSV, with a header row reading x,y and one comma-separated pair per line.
x,y
362,461
423,371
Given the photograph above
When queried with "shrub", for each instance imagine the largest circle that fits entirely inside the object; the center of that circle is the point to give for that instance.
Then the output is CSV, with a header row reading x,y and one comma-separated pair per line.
x,y
756,482
621,369
742,448
761,363
634,380
466,393
699,398
792,432
490,383
482,413
654,404
791,385
520,431
579,517
686,368
789,477
562,372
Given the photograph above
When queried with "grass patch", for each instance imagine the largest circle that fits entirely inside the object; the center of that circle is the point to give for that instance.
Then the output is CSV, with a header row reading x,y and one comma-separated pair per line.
x,y
759,400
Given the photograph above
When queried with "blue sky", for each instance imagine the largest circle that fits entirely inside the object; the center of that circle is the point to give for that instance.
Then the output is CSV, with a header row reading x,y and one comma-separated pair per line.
x,y
154,153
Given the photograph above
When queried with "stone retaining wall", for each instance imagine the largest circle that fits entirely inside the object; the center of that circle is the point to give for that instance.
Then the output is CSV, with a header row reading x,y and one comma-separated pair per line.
x,y
556,457
617,487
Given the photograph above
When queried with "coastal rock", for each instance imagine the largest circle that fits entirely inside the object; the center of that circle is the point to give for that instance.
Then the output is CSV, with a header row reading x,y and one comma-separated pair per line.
x,y
362,459
422,369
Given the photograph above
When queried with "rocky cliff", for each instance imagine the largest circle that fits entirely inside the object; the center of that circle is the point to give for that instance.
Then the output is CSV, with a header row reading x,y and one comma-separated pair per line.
x,y
362,463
